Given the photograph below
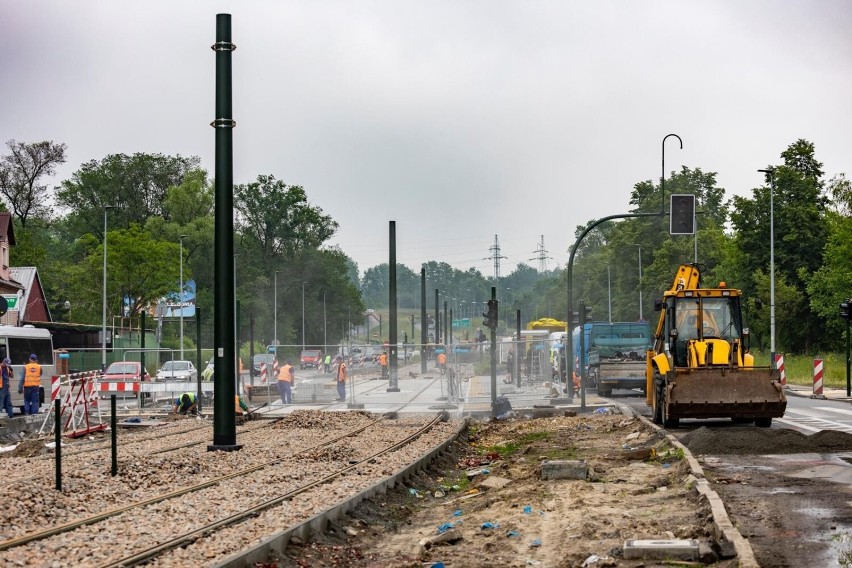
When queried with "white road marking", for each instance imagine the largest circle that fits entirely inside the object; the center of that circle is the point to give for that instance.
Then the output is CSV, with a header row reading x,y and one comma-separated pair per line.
x,y
832,409
796,425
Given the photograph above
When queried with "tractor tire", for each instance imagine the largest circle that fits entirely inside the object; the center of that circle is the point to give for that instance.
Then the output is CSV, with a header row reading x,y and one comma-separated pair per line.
x,y
665,419
658,406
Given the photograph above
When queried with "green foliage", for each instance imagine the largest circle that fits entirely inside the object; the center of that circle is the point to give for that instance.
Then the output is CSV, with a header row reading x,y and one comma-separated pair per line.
x,y
21,171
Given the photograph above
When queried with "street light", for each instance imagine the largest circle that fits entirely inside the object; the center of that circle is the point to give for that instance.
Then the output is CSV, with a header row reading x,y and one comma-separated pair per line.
x,y
770,172
640,283
303,316
103,318
275,311
180,295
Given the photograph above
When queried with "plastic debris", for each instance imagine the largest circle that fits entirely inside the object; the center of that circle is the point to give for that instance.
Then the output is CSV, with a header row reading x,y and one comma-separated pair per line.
x,y
667,465
510,534
591,561
445,527
412,491
601,410
134,420
532,562
490,525
437,565
527,510
439,494
536,542
485,471
457,513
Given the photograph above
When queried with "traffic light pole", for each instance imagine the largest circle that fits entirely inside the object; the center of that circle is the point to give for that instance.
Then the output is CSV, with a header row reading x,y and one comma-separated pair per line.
x,y
581,321
493,328
569,346
848,383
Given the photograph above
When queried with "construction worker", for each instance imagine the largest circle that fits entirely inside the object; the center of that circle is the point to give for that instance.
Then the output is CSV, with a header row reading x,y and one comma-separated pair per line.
x,y
186,403
286,380
6,374
383,361
29,385
442,362
341,379
327,363
239,405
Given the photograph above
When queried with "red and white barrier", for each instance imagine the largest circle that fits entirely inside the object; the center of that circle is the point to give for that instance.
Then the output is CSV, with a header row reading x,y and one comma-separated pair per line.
x,y
818,377
55,386
275,368
263,372
113,386
779,364
79,395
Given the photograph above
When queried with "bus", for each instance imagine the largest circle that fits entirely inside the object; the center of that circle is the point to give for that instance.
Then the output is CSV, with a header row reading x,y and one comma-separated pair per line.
x,y
18,343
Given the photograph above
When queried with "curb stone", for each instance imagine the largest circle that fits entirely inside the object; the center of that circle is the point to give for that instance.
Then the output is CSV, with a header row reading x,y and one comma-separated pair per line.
x,y
724,527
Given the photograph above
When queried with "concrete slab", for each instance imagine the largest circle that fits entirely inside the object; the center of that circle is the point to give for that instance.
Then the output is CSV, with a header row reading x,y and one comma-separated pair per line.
x,y
661,550
564,469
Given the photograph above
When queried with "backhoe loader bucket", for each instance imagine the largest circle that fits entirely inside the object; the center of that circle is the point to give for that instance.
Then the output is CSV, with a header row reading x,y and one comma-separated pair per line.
x,y
717,392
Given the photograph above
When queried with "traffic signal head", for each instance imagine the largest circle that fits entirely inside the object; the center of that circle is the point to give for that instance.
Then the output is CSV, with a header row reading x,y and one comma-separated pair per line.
x,y
491,316
588,314
682,215
846,309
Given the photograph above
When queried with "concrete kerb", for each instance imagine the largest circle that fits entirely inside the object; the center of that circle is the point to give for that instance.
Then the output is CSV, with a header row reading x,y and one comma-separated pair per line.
x,y
277,542
724,528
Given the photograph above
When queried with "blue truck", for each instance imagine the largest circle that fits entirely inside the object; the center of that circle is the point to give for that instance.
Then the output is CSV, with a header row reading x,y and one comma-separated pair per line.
x,y
615,354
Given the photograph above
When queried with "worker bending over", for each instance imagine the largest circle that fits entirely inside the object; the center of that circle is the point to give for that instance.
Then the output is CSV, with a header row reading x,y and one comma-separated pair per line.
x,y
186,403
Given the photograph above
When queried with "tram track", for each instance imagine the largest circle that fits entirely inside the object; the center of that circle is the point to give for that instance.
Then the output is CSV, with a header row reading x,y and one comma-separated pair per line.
x,y
236,478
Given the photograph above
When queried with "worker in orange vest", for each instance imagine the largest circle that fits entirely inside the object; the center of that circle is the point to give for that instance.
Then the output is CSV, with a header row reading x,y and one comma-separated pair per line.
x,y
286,380
30,383
383,361
442,362
239,405
341,379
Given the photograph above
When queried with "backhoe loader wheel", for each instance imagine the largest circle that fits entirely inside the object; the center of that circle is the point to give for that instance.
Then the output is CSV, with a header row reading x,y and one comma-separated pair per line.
x,y
661,397
763,422
658,398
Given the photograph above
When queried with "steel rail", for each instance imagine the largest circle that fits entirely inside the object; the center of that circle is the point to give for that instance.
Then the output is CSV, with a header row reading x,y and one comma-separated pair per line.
x,y
178,541
72,525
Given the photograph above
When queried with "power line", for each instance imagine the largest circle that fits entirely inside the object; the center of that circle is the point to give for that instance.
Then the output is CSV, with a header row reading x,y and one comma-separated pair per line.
x,y
495,256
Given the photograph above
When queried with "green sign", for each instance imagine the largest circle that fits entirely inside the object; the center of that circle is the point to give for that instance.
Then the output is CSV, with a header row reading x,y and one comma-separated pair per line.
x,y
11,301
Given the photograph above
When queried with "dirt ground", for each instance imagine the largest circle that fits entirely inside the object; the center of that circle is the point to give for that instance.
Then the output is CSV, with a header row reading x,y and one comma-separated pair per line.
x,y
484,502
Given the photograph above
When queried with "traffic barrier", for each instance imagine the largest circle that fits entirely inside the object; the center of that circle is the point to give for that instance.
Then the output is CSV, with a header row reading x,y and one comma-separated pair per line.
x,y
818,377
275,368
263,372
113,386
779,364
55,386
75,413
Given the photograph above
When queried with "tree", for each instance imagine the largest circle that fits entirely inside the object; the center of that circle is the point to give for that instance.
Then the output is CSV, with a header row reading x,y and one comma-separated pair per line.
x,y
21,171
136,186
278,218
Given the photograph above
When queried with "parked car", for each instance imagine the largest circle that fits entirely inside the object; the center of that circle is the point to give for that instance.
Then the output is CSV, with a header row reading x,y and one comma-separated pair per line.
x,y
310,358
356,355
261,358
124,371
177,371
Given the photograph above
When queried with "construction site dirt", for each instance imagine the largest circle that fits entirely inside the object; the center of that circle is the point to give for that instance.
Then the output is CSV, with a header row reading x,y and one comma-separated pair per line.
x,y
484,503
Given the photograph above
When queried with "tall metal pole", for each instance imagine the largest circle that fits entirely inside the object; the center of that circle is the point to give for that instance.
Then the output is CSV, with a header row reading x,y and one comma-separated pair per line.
x,y
663,176
275,310
393,384
103,318
518,349
180,296
446,333
303,316
437,319
142,356
198,361
324,326
640,283
609,292
424,325
494,357
770,172
224,425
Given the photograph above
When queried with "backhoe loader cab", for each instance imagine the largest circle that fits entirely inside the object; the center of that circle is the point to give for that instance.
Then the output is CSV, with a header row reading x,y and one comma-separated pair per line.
x,y
699,366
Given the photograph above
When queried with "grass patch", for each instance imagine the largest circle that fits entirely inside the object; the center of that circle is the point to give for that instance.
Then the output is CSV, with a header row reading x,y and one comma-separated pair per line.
x,y
531,437
800,368
560,453
504,450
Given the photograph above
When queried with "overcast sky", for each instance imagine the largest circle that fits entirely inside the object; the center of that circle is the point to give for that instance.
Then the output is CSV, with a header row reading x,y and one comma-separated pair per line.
x,y
457,119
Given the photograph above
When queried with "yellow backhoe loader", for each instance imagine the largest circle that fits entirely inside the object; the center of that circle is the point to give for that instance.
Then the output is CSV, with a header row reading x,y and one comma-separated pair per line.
x,y
699,366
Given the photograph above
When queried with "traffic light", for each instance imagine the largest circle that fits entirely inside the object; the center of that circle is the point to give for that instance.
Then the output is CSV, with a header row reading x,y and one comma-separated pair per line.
x,y
682,214
491,316
845,311
588,314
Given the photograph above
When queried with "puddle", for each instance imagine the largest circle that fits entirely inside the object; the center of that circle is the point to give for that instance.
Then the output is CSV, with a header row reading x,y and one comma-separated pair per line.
x,y
778,490
818,512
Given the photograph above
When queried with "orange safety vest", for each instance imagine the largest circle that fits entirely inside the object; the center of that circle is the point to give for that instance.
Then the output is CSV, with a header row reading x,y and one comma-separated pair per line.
x,y
286,374
237,408
383,359
442,359
341,373
9,370
32,375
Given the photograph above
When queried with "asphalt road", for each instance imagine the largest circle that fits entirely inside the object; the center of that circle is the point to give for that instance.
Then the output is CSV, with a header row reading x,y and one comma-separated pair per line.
x,y
795,509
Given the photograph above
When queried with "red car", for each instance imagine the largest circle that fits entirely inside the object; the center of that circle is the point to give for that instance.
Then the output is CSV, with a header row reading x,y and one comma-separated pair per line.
x,y
125,371
310,358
